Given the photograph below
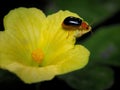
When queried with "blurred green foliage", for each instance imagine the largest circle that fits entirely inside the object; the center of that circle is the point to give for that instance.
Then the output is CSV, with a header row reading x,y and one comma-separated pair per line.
x,y
94,11
104,45
94,77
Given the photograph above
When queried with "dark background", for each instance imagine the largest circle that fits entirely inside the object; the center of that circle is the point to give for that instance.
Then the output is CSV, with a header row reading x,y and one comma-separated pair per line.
x,y
56,83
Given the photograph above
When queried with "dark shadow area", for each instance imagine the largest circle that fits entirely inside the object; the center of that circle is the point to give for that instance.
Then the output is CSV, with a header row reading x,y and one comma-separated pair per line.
x,y
116,85
55,84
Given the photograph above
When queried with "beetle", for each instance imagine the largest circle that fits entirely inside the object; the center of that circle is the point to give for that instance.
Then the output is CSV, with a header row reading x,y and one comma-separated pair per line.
x,y
76,24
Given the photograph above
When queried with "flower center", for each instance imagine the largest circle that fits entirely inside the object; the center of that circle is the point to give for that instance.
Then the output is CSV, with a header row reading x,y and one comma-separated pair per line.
x,y
38,55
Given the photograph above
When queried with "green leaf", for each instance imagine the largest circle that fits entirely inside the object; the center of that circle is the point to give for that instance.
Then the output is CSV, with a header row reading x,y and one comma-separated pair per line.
x,y
90,78
93,11
104,45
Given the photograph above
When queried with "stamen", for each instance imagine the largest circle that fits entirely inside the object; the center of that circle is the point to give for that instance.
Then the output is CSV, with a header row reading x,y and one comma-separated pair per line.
x,y
38,55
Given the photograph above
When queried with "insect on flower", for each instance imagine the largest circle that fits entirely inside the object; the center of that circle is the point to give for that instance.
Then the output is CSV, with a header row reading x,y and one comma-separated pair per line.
x,y
74,23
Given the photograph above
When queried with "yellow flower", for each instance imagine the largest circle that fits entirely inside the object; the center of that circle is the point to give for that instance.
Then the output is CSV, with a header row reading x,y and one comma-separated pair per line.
x,y
36,47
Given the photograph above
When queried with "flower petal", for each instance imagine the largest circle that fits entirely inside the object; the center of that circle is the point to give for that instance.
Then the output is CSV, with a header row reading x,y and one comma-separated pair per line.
x,y
55,40
25,22
16,59
32,74
12,49
73,59
22,32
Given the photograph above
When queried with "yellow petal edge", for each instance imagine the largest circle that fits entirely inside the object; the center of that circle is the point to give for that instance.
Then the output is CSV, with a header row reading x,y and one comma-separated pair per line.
x,y
27,29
